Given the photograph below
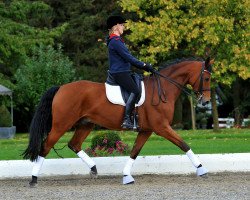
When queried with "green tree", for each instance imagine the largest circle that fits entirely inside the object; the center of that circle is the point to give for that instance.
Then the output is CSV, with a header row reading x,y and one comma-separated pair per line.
x,y
168,29
46,68
19,31
84,39
194,28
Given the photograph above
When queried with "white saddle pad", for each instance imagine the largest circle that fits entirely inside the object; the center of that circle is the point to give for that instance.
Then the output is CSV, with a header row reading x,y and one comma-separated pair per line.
x,y
114,95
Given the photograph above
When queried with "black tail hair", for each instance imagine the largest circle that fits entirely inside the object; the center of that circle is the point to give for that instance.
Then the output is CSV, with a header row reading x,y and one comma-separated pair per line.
x,y
40,125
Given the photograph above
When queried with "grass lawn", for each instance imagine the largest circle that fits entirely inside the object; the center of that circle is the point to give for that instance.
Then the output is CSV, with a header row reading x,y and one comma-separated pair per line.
x,y
201,142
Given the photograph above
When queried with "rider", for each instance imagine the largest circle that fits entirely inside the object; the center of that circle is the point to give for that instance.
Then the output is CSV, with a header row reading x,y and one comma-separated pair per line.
x,y
120,60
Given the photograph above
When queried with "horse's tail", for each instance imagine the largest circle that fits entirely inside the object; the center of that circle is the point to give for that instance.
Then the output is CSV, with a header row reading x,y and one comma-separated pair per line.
x,y
40,125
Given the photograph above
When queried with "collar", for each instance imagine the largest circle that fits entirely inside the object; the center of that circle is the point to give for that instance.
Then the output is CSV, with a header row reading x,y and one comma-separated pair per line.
x,y
117,37
113,35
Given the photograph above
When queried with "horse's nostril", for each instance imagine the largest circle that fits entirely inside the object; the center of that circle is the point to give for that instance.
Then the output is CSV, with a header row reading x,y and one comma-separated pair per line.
x,y
205,103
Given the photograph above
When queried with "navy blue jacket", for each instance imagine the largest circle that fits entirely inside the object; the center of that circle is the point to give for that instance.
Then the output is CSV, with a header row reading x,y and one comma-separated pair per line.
x,y
120,59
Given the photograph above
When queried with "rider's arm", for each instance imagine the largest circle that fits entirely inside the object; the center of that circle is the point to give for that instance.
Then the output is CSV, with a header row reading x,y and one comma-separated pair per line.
x,y
122,50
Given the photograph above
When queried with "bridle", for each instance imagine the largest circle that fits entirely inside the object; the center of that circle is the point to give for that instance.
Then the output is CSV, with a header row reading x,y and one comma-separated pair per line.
x,y
185,89
200,91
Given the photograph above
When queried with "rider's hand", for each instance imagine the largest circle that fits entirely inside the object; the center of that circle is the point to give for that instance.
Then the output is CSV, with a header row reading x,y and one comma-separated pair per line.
x,y
148,67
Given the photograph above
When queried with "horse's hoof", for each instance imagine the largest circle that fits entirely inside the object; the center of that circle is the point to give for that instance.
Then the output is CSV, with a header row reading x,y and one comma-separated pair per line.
x,y
93,175
128,179
201,171
32,184
93,172
204,176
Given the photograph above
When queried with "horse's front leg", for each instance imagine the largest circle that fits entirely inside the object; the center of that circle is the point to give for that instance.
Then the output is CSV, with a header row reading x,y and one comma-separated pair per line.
x,y
173,137
142,137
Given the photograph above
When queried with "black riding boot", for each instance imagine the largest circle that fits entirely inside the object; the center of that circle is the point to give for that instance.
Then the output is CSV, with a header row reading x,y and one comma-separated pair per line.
x,y
127,123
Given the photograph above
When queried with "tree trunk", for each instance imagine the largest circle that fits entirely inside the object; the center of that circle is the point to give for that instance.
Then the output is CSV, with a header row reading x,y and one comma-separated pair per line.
x,y
178,111
236,102
214,109
177,120
192,112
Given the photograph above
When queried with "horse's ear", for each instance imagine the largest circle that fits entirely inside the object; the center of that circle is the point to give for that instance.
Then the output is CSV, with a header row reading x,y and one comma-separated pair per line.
x,y
208,64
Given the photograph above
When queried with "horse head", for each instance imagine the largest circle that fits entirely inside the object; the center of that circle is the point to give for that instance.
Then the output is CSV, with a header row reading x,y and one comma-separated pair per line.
x,y
201,85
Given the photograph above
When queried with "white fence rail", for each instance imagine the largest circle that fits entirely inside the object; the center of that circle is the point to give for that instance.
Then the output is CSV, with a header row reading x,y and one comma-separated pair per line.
x,y
229,122
166,164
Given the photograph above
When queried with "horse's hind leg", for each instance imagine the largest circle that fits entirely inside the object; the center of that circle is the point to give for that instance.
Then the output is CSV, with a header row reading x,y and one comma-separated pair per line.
x,y
75,144
50,141
142,137
173,137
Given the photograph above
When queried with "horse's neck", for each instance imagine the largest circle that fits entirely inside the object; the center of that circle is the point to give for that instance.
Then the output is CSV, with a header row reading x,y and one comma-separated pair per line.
x,y
180,73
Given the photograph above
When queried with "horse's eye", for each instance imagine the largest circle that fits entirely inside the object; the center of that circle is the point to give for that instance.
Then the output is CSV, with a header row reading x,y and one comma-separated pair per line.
x,y
207,79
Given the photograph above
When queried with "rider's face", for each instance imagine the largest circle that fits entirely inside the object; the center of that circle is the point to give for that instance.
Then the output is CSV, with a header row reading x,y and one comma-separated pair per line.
x,y
120,28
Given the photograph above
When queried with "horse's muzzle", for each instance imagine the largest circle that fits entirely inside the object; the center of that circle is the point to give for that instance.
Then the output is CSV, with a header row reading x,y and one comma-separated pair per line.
x,y
205,103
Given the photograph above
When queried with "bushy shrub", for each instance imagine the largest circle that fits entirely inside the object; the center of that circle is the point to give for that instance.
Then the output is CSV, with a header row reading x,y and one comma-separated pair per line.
x,y
46,67
107,144
5,117
106,139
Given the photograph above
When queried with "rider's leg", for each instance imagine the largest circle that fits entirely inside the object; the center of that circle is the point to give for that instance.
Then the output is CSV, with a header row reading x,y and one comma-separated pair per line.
x,y
130,105
125,80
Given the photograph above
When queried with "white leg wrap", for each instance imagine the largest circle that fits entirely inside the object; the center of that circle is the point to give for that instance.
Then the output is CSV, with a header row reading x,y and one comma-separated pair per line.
x,y
37,166
201,171
128,179
128,166
86,159
193,158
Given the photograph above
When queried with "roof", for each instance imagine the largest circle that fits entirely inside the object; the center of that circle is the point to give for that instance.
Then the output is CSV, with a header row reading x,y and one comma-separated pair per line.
x,y
5,90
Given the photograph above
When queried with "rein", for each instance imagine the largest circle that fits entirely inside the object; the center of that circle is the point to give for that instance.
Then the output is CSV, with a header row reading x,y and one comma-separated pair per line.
x,y
161,93
185,89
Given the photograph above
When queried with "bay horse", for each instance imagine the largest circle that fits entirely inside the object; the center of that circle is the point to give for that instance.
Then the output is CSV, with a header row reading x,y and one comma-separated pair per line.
x,y
82,104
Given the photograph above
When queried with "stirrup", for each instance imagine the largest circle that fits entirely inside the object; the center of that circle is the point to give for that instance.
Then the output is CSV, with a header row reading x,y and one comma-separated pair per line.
x,y
127,124
131,126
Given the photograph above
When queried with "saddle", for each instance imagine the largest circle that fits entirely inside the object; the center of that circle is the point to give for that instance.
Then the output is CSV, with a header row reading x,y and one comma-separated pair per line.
x,y
118,95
